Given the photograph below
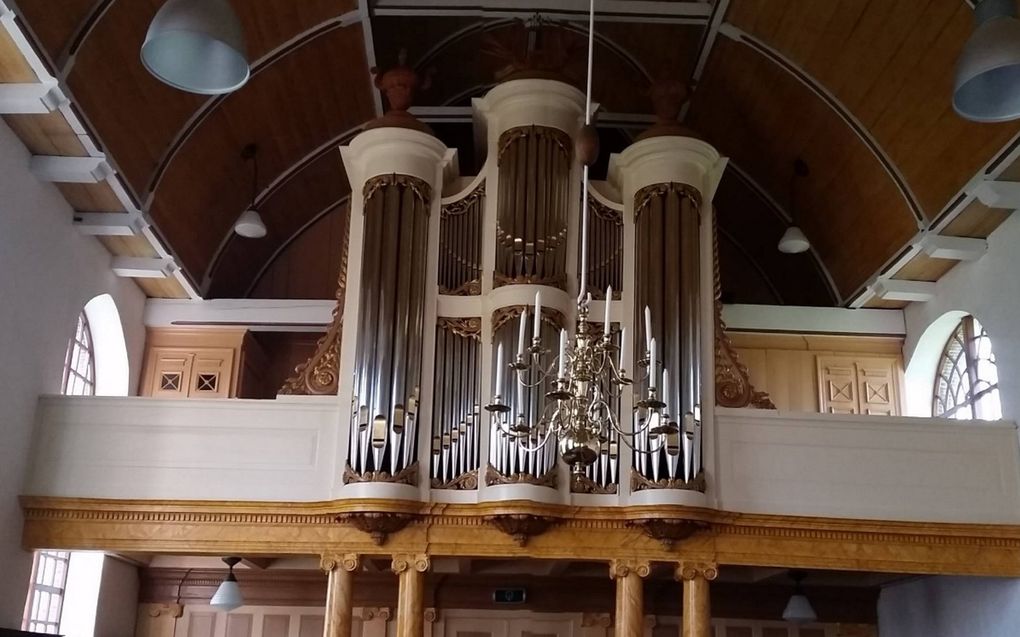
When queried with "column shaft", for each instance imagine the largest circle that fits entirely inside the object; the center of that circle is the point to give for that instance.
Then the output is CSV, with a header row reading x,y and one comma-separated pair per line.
x,y
339,603
630,607
697,617
411,604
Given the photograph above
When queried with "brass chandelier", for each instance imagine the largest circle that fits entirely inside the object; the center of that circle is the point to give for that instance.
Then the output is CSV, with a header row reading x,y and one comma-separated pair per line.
x,y
589,369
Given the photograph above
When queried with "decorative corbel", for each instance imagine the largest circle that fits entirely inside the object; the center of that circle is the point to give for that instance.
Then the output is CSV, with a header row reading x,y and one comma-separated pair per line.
x,y
376,524
521,526
669,531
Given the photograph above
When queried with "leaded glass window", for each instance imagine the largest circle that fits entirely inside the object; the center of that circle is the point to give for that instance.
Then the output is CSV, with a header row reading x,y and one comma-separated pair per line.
x,y
967,381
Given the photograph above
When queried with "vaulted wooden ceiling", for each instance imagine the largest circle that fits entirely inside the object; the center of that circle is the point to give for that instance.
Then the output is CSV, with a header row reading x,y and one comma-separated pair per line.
x,y
860,89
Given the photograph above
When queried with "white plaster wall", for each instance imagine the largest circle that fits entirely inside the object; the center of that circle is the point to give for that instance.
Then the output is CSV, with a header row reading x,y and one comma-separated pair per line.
x,y
118,599
48,271
988,288
950,607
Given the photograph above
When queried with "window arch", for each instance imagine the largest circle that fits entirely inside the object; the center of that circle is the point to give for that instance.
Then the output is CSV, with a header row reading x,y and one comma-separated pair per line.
x,y
966,379
80,361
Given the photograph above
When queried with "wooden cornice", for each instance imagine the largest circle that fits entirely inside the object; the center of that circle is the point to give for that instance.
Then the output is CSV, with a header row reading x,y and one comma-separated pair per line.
x,y
275,587
465,530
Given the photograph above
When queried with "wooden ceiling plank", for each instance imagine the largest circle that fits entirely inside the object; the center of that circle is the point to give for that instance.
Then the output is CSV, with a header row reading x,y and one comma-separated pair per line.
x,y
48,134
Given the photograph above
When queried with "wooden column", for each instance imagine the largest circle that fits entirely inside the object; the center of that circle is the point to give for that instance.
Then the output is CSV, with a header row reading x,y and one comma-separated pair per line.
x,y
339,593
630,604
411,596
697,609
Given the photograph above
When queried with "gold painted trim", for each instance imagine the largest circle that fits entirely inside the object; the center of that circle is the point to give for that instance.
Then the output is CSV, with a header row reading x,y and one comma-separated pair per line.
x,y
643,197
300,528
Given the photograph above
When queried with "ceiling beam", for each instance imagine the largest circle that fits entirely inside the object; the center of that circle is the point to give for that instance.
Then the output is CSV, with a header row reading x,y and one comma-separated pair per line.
x,y
955,248
997,194
608,10
37,98
142,267
75,170
109,224
896,290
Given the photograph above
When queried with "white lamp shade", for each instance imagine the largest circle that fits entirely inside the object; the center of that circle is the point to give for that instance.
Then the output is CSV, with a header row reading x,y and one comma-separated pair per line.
x,y
794,241
249,225
197,46
228,595
987,84
799,610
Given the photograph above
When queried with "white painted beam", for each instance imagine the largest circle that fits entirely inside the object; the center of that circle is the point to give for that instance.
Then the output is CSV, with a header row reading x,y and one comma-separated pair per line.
x,y
813,320
956,248
75,170
142,267
109,224
998,194
896,290
608,10
31,99
255,314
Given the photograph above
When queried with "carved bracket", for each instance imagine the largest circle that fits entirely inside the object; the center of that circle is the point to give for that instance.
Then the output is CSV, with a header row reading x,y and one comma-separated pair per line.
x,y
376,524
521,526
669,531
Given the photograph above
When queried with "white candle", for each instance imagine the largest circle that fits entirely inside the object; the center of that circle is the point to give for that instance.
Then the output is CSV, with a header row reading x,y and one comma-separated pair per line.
x,y
665,389
563,355
624,354
609,300
648,329
653,367
499,370
536,331
522,332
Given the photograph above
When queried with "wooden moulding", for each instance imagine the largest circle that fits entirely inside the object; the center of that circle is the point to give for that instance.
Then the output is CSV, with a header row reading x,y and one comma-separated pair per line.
x,y
299,528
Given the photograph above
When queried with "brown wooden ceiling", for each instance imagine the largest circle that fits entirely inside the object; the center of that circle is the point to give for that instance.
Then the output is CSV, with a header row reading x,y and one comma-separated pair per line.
x,y
859,89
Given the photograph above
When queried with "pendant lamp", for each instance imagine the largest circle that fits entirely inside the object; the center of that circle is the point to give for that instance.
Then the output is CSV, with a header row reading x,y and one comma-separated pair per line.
x,y
228,596
197,46
250,225
987,84
794,241
799,610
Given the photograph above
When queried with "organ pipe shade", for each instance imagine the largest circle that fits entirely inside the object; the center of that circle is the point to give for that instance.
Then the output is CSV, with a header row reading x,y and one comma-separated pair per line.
x,y
667,281
533,200
455,402
390,331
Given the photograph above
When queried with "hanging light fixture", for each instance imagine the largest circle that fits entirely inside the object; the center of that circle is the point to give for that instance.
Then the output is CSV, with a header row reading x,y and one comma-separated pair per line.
x,y
249,225
799,610
987,84
589,369
197,46
794,241
228,596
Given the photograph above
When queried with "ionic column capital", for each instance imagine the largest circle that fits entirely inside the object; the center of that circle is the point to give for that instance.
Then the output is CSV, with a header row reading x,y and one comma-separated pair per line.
x,y
347,561
623,568
405,561
687,571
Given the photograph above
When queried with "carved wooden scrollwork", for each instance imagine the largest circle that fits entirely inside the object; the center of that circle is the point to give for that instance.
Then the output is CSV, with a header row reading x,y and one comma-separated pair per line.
x,y
521,526
639,483
503,315
378,525
320,374
580,483
493,477
467,327
467,481
733,386
408,475
418,187
645,196
669,531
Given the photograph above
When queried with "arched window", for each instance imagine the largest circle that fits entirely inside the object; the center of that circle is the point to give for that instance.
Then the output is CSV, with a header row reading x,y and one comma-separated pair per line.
x,y
80,362
966,380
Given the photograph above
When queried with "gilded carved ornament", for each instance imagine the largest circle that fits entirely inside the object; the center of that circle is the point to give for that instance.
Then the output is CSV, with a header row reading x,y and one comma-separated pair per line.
x,y
639,482
407,475
418,187
580,483
503,315
494,477
466,327
467,481
644,197
733,386
320,374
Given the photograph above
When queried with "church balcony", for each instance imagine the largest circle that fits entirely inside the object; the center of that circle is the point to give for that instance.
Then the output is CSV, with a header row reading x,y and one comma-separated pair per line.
x,y
756,462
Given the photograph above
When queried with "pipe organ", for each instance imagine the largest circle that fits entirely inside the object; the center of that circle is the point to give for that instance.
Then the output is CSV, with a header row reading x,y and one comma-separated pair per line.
x,y
446,284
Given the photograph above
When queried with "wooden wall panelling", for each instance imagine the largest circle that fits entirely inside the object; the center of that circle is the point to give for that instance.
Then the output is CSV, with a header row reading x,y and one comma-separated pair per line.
x,y
849,207
207,360
815,372
282,110
47,134
891,64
